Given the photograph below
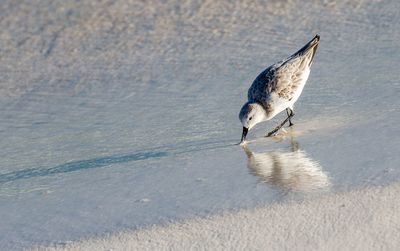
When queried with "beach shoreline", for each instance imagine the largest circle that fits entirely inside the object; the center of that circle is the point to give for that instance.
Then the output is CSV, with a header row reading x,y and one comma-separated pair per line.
x,y
362,219
123,116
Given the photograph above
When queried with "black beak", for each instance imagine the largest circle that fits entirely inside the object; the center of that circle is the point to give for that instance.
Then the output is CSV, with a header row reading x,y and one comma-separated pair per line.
x,y
245,130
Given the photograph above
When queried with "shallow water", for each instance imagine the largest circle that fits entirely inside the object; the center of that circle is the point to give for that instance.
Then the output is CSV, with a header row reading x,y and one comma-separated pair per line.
x,y
118,115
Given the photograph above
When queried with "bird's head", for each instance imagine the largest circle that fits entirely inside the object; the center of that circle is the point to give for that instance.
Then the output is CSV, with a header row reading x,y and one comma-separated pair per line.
x,y
250,115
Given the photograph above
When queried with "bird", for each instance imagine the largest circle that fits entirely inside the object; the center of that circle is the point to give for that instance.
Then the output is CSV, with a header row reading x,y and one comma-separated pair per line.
x,y
277,88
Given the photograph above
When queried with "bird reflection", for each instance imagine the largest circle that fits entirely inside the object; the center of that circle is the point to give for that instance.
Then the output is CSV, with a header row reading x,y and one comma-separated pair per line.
x,y
292,170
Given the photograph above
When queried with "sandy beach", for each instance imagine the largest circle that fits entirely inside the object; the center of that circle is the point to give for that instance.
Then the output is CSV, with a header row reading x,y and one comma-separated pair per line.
x,y
366,219
119,126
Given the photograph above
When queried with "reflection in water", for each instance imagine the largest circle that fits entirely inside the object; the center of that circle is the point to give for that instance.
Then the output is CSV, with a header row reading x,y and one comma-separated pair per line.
x,y
288,170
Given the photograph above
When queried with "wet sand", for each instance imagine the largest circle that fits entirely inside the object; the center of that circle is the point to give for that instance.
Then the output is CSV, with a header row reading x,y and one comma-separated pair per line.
x,y
116,116
364,219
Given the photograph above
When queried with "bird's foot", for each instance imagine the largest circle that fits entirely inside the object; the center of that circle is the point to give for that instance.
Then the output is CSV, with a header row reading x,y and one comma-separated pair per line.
x,y
272,133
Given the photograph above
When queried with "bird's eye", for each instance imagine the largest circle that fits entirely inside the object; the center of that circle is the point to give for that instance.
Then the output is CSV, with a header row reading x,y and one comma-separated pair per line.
x,y
250,118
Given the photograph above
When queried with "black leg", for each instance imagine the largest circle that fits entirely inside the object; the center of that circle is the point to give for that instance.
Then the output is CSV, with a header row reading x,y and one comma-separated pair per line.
x,y
278,127
290,114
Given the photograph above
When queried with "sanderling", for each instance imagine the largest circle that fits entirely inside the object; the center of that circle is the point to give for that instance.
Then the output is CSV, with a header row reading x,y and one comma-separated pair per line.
x,y
277,88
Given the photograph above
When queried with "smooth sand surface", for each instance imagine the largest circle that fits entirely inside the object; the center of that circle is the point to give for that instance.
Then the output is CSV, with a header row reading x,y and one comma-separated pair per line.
x,y
367,219
122,115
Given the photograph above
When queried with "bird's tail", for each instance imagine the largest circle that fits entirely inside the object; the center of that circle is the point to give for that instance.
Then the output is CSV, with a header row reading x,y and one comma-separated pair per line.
x,y
312,45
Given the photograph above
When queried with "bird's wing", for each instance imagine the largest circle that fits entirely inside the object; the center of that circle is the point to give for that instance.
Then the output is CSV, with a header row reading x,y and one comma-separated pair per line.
x,y
285,77
264,84
290,76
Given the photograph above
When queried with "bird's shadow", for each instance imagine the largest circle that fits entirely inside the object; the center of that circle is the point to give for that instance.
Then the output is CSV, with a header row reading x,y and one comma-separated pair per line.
x,y
73,166
288,170
79,165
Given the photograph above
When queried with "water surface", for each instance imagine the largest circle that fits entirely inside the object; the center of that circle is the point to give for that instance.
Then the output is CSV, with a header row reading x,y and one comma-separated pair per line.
x,y
119,115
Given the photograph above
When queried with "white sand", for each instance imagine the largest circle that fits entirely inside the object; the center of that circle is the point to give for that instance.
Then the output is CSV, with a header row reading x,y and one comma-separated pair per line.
x,y
123,114
366,219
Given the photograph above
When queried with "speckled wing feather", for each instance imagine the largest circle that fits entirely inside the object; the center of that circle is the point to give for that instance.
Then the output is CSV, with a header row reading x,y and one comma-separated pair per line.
x,y
264,84
285,77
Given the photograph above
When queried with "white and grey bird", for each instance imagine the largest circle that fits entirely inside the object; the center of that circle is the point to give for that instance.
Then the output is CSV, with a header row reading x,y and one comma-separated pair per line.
x,y
277,88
